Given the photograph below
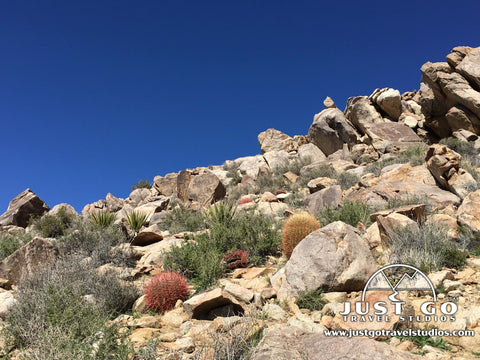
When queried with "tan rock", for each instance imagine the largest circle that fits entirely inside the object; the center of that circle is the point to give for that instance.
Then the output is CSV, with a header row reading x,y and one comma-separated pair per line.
x,y
320,183
414,212
21,208
268,197
328,103
143,335
469,212
148,321
139,306
239,292
212,303
174,318
272,140
290,177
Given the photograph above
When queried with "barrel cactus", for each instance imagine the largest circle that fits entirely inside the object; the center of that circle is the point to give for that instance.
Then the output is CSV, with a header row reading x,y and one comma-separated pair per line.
x,y
295,229
164,290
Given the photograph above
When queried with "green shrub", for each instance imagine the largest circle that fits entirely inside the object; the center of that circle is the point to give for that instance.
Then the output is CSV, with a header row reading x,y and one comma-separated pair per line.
x,y
136,220
93,241
347,180
465,149
54,225
103,218
233,172
351,212
293,166
182,219
11,243
220,212
141,184
312,300
413,155
53,319
319,171
201,260
427,248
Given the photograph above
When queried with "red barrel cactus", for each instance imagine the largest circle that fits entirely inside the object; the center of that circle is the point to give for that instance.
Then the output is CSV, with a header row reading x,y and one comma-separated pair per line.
x,y
164,290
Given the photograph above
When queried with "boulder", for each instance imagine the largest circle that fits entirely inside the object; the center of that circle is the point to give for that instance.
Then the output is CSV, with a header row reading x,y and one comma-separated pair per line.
x,y
362,113
414,212
311,153
330,197
28,259
148,236
66,207
406,172
330,130
389,225
320,183
276,159
272,140
21,208
389,101
137,196
293,343
390,137
334,258
251,166
444,164
469,67
183,182
213,303
329,103
156,206
154,254
469,212
457,55
379,195
166,185
114,204
95,207
206,188
458,117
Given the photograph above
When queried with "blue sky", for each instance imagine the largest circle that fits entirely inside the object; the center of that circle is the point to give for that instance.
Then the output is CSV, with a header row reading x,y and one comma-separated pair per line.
x,y
95,95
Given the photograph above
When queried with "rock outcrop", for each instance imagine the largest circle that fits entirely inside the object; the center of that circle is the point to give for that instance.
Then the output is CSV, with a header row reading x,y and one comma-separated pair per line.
x,y
22,208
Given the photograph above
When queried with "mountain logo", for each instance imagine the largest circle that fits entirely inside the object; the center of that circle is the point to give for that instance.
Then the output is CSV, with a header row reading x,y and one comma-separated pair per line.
x,y
391,280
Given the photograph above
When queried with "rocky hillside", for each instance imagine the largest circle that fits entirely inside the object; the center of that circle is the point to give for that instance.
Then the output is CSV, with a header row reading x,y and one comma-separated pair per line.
x,y
268,247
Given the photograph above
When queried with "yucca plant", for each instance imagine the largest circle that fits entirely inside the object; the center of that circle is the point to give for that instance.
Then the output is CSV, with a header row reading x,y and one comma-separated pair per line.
x,y
103,218
136,220
220,213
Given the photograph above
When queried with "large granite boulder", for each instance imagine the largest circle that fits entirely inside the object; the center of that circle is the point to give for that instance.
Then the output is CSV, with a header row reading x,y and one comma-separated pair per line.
x,y
166,185
206,188
468,213
469,67
444,164
330,130
28,259
272,140
22,207
334,258
389,100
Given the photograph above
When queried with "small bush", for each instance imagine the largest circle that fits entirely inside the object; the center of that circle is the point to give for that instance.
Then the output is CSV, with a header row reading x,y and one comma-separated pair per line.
x,y
351,212
465,149
53,319
136,220
233,172
427,248
319,171
141,184
164,290
54,225
220,213
201,260
347,180
103,218
312,300
93,241
11,243
295,229
183,219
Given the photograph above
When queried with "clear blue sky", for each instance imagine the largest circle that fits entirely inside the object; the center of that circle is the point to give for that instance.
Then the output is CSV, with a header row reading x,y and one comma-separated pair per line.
x,y
95,95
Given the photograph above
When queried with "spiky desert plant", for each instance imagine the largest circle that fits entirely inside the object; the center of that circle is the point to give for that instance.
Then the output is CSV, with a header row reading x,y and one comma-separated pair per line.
x,y
221,212
103,218
295,229
136,220
236,259
164,290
